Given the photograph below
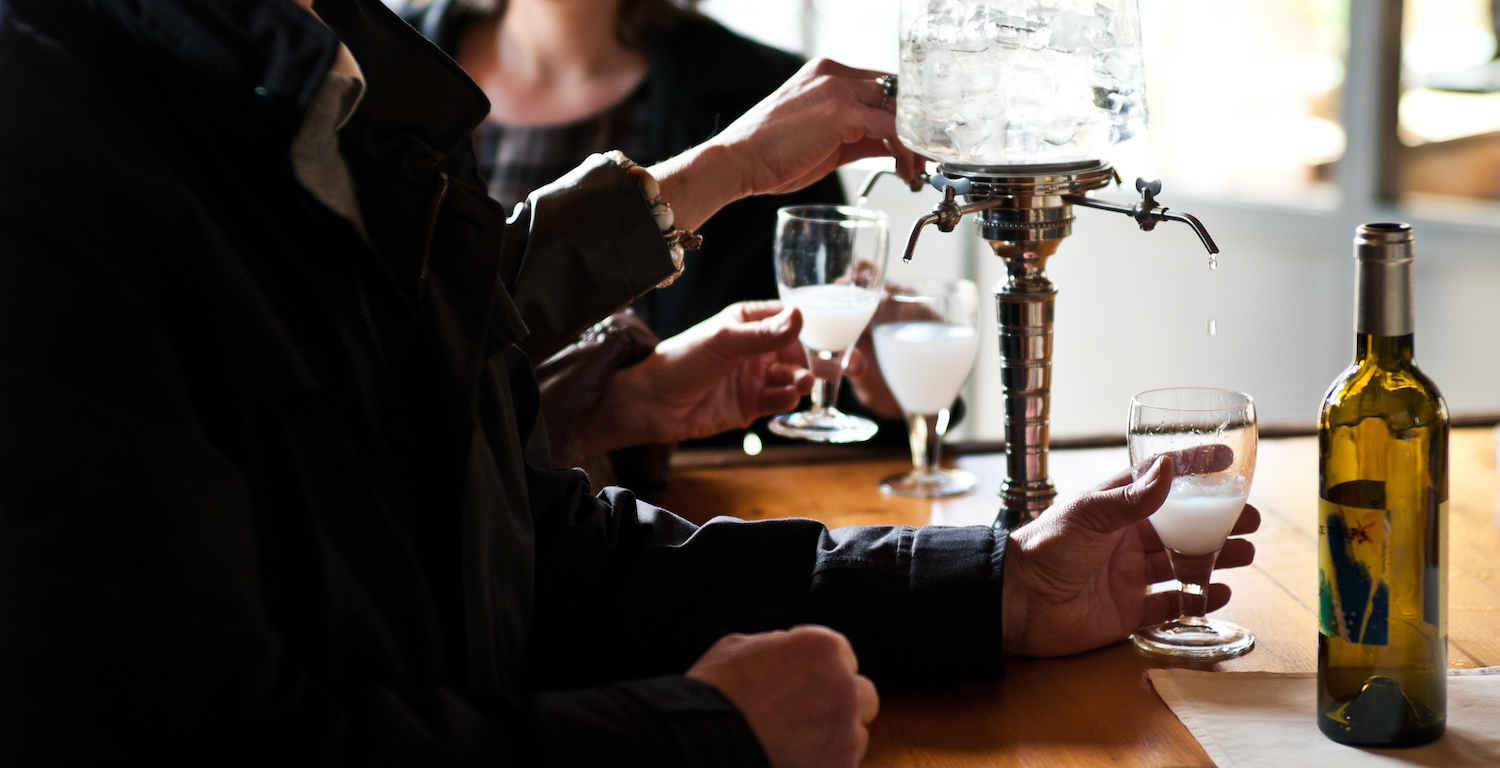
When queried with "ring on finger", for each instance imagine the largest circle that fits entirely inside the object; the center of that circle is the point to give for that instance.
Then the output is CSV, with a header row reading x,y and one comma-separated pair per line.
x,y
888,85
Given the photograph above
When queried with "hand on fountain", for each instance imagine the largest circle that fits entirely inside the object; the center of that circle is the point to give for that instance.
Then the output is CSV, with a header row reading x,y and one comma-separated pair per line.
x,y
1076,577
823,117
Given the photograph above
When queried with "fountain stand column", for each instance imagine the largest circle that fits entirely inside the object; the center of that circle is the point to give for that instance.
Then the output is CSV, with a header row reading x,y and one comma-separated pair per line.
x,y
1024,310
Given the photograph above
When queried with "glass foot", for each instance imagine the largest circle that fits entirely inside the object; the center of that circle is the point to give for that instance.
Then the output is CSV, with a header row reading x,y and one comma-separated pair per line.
x,y
1203,639
924,485
828,426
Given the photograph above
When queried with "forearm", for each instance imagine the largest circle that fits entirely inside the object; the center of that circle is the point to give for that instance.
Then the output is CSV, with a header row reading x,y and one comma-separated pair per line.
x,y
665,590
623,417
697,183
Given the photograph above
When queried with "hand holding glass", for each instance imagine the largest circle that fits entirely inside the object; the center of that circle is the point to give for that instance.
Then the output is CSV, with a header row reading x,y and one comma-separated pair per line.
x,y
830,265
1210,435
925,340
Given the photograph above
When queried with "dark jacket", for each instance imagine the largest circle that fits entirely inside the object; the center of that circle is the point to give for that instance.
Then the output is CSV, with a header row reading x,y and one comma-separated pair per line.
x,y
701,78
272,493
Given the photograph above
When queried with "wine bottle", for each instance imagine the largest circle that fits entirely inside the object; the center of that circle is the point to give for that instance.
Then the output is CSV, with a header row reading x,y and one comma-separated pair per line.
x,y
1383,520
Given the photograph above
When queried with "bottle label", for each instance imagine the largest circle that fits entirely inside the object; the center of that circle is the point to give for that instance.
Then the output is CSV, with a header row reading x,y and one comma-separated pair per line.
x,y
1354,535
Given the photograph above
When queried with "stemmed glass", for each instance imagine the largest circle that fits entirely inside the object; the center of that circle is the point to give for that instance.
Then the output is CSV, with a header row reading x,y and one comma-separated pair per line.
x,y
1210,435
925,340
830,264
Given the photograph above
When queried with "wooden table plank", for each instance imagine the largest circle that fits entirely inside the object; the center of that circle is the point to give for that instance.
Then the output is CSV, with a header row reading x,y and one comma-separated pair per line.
x,y
1098,708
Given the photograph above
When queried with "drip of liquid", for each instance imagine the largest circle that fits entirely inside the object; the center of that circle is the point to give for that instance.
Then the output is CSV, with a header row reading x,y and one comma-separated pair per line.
x,y
1213,327
752,444
1213,261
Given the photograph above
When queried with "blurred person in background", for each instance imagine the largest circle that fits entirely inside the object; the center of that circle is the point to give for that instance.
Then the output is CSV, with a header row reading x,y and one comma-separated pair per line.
x,y
651,78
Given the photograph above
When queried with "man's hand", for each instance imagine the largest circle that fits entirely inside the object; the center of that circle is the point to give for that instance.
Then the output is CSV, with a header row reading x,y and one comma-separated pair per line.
x,y
722,373
1076,578
801,692
823,117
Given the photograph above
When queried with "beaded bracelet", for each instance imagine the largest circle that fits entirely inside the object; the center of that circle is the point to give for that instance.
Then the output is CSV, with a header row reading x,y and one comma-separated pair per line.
x,y
678,240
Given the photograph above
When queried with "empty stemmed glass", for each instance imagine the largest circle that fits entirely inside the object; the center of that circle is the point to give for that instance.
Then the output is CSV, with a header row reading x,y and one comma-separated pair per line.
x,y
1210,435
925,340
830,264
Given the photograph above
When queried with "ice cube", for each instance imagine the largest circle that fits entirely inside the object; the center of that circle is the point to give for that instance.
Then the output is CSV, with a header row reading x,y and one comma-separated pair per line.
x,y
1021,137
1032,84
979,81
1059,128
942,32
1070,31
970,37
967,136
940,81
1123,65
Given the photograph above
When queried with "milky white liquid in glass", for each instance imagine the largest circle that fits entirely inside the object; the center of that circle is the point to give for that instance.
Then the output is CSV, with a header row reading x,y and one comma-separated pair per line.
x,y
925,363
1196,524
833,316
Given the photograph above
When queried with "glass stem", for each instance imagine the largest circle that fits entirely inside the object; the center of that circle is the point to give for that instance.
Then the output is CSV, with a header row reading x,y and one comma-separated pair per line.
x,y
1193,572
926,435
828,372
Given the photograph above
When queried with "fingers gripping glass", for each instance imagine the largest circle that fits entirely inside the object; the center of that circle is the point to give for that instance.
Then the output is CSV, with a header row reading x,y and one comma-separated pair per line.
x,y
925,340
1210,435
830,265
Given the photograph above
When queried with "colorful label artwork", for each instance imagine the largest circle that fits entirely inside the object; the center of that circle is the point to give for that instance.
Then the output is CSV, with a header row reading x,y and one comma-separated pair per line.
x,y
1354,534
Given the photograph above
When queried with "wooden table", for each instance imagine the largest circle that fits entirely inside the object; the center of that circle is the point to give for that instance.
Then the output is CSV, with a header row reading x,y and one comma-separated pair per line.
x,y
1098,708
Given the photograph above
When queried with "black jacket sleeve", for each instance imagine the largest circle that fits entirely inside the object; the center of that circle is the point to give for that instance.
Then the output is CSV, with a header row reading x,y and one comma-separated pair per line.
x,y
625,589
577,251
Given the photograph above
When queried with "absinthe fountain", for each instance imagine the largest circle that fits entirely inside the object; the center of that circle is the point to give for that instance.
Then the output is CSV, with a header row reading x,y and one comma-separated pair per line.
x,y
1018,100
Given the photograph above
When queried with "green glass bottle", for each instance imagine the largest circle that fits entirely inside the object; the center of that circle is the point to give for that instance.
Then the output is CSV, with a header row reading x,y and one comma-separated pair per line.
x,y
1383,520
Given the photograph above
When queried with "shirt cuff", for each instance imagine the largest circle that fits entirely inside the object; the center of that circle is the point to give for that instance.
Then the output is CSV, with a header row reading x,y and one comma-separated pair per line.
x,y
660,721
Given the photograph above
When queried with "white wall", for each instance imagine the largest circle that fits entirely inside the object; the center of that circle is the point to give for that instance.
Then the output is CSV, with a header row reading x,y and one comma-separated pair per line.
x,y
1133,309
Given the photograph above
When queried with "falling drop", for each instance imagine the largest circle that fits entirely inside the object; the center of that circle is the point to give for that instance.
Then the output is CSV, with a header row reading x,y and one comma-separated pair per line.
x,y
1213,261
752,444
1213,327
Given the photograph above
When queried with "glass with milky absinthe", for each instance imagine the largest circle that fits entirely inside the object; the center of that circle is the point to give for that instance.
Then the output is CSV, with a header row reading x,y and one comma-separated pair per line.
x,y
830,265
1210,436
926,336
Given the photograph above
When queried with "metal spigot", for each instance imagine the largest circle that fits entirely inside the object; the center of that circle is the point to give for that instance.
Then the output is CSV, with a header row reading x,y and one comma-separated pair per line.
x,y
1148,213
947,213
915,185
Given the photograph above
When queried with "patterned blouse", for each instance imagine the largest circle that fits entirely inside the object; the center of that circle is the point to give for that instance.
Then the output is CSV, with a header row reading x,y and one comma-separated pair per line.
x,y
516,160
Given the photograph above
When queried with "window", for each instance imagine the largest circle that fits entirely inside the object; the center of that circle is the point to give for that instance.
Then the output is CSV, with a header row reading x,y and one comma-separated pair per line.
x,y
1449,111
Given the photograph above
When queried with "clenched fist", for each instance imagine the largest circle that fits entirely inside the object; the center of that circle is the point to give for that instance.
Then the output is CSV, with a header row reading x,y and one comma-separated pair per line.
x,y
801,692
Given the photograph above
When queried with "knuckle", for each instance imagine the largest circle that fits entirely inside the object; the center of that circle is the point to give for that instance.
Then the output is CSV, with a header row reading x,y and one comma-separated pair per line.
x,y
821,641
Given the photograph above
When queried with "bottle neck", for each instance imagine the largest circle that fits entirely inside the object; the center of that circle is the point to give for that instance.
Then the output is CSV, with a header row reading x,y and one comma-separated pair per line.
x,y
1385,351
1383,305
